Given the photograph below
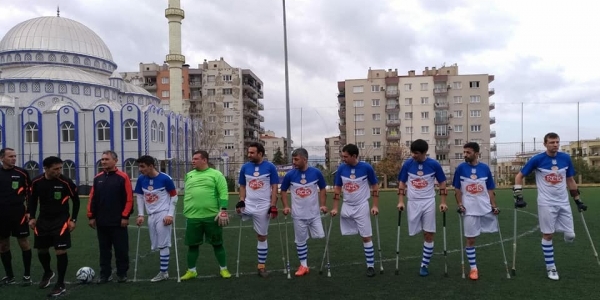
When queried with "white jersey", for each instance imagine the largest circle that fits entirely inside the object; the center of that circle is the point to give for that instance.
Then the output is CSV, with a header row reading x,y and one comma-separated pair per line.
x,y
474,182
155,193
258,178
304,187
355,182
551,175
420,178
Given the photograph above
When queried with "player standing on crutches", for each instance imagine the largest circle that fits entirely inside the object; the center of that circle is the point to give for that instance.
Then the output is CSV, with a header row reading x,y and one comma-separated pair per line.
x,y
156,194
417,182
356,179
309,198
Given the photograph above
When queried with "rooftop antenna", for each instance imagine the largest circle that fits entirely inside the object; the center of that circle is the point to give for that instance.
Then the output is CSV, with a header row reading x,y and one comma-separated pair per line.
x,y
58,11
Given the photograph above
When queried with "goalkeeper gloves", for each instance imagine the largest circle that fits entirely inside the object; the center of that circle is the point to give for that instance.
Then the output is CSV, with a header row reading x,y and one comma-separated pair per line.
x,y
580,206
272,212
518,195
222,218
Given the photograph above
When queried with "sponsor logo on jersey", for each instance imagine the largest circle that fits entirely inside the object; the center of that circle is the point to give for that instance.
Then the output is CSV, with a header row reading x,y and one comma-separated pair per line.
x,y
303,192
256,184
151,198
474,188
553,178
419,183
351,187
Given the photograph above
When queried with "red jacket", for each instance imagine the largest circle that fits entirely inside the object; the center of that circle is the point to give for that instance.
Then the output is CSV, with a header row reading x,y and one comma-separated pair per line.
x,y
111,198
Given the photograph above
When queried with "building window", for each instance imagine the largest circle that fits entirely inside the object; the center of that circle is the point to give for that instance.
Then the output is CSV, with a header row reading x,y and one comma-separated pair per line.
x,y
457,99
28,58
102,131
359,103
210,92
424,86
475,113
213,119
87,91
131,130
359,117
357,89
164,80
475,99
228,119
408,87
165,94
11,87
39,57
32,168
131,168
227,105
62,88
376,117
49,88
425,115
97,92
153,128
375,102
227,91
67,132
228,132
475,128
474,84
172,135
424,100
87,62
23,87
210,78
376,131
75,89
458,128
17,57
106,94
52,58
161,133
96,64
35,87
376,145
64,59
408,129
408,115
360,145
457,85
69,169
76,60
31,133
227,78
359,131
424,129
229,146
375,88
407,101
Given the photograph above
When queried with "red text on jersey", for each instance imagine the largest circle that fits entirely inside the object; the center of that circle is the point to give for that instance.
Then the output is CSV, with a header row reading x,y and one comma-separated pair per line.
x,y
419,183
303,192
351,187
256,184
474,188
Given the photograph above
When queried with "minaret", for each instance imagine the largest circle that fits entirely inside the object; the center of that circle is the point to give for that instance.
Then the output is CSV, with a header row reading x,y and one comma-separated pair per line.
x,y
175,59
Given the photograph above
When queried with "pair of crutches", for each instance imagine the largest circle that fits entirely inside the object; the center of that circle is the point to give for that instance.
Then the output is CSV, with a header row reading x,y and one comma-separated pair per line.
x,y
137,252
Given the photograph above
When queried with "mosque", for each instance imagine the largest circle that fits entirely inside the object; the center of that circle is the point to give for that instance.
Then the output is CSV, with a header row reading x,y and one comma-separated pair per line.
x,y
61,94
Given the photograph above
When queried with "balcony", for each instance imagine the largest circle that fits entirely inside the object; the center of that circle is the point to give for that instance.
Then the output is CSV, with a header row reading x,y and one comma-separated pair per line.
x,y
442,135
493,134
261,130
260,106
261,118
392,108
440,105
150,86
491,92
195,83
440,91
392,94
394,122
492,120
441,121
251,126
494,161
342,127
342,113
442,149
248,100
493,148
251,113
492,106
392,136
342,97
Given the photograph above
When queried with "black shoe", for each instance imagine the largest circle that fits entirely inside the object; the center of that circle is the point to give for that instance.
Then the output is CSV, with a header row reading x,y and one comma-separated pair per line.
x,y
121,279
45,282
7,280
103,280
370,272
26,281
57,290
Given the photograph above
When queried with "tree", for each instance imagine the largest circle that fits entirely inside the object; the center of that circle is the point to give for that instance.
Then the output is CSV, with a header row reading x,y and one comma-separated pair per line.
x,y
393,159
278,158
589,174
320,167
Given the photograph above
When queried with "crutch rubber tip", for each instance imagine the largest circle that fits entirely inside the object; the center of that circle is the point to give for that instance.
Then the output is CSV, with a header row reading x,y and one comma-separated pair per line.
x,y
397,272
381,272
514,272
445,274
507,276
320,272
328,274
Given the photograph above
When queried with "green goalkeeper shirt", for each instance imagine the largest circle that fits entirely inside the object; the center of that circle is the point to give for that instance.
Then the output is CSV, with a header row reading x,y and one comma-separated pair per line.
x,y
205,194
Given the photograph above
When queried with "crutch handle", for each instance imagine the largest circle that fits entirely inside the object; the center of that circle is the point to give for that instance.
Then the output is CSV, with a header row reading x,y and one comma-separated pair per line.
x,y
444,218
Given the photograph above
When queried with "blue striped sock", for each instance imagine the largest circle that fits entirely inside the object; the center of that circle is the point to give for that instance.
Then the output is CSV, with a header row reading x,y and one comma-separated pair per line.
x,y
369,254
302,253
164,259
427,253
548,249
262,249
471,257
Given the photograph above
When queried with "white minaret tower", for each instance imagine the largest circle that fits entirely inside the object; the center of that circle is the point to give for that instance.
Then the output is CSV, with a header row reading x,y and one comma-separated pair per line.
x,y
175,59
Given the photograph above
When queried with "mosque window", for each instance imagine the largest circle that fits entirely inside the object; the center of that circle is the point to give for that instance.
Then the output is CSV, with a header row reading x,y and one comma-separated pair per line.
x,y
1,58
172,135
23,87
49,88
103,131
87,62
62,88
39,57
64,59
153,129
76,60
52,58
31,133
69,169
9,58
180,138
17,57
106,94
96,64
35,87
129,99
55,100
161,133
141,100
104,66
75,89
67,132
28,57
99,167
11,87
32,168
131,130
131,168
1,87
87,91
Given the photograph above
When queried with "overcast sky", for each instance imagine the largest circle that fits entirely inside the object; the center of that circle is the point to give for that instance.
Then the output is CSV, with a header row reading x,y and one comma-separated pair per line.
x,y
541,54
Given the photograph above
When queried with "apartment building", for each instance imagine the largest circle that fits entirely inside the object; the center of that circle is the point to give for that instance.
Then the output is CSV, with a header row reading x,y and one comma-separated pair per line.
x,y
440,106
273,143
589,150
227,100
332,152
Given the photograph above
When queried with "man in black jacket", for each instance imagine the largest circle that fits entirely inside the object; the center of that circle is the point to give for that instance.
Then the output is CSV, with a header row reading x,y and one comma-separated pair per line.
x,y
109,208
14,189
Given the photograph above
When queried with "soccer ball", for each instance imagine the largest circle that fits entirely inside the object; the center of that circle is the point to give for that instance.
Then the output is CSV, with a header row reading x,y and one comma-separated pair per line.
x,y
85,275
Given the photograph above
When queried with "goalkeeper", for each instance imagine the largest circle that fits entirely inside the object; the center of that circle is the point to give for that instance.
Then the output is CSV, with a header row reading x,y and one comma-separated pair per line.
x,y
205,207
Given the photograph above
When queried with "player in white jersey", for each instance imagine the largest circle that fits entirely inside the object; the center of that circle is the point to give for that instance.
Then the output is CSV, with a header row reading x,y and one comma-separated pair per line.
x,y
417,179
156,193
474,189
356,179
309,196
554,173
258,196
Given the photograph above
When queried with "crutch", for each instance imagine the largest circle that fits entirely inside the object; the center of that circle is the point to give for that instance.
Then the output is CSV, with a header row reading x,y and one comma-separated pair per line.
x,y
445,248
137,254
514,262
281,242
237,268
462,247
326,252
379,244
287,248
176,252
589,236
398,241
502,245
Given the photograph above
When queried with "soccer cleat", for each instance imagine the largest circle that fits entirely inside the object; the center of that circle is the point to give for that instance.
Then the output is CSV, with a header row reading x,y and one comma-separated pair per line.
x,y
262,271
160,277
189,274
26,281
104,280
553,274
7,280
122,279
370,272
57,290
474,274
225,273
45,282
424,271
302,270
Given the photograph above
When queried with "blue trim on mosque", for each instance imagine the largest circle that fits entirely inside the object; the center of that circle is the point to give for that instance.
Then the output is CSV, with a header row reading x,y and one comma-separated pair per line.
x,y
82,58
111,131
139,139
30,111
3,129
69,109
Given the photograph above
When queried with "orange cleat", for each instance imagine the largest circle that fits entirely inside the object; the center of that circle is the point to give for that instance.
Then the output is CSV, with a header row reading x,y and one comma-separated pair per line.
x,y
302,270
474,274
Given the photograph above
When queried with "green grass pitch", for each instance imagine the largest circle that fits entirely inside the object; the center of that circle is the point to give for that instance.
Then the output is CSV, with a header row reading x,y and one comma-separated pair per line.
x,y
576,264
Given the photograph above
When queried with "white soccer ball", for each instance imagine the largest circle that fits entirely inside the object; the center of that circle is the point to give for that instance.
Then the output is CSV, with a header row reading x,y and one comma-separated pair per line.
x,y
85,275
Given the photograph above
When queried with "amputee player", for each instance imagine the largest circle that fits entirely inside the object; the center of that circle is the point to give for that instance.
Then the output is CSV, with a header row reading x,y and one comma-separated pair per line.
x,y
354,178
258,198
14,191
417,181
205,207
307,186
474,186
53,227
554,174
156,194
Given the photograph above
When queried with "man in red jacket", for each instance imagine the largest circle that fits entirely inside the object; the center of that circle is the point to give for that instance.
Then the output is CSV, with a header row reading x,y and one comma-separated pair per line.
x,y
109,209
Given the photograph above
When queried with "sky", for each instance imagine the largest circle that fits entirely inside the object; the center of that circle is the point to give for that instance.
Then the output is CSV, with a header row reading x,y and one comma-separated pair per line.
x,y
542,54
